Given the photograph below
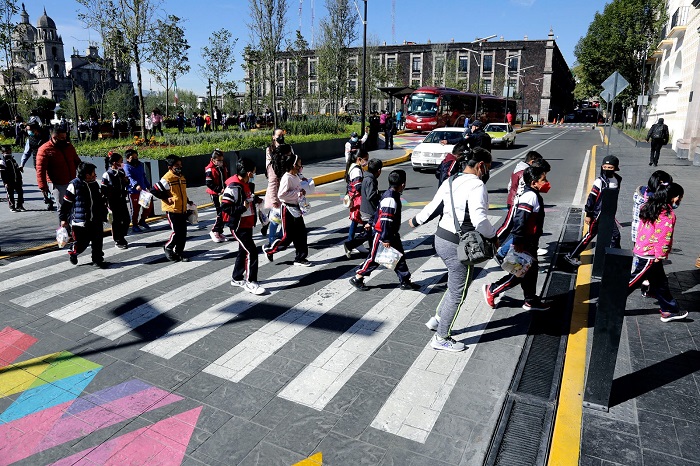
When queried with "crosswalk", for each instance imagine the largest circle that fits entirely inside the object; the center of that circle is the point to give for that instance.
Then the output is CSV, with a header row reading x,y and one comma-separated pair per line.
x,y
198,299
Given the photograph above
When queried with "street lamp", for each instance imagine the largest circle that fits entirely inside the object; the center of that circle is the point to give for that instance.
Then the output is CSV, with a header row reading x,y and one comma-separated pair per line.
x,y
364,69
478,80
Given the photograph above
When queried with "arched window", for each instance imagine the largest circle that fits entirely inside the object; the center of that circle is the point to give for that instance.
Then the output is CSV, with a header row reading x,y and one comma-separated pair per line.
x,y
44,92
42,71
676,75
54,52
56,71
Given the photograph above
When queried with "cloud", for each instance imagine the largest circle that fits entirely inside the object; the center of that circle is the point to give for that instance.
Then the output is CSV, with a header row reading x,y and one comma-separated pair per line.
x,y
525,3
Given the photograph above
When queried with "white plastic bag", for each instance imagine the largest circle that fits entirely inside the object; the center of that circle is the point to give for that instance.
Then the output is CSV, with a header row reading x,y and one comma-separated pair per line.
x,y
275,216
145,198
264,218
193,216
309,186
517,263
304,205
62,237
110,216
347,202
388,257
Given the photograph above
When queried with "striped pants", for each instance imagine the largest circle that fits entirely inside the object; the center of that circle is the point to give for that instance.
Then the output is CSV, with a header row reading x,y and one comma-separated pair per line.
x,y
644,268
369,264
246,265
528,282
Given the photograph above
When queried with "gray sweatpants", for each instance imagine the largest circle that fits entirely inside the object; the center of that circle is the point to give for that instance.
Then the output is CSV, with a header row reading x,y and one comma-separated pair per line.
x,y
459,276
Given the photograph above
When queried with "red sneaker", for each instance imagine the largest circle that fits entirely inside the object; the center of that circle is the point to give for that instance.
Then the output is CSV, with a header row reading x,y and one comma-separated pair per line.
x,y
489,297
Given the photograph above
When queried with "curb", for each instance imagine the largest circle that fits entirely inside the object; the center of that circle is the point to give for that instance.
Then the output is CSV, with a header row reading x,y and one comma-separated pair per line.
x,y
318,181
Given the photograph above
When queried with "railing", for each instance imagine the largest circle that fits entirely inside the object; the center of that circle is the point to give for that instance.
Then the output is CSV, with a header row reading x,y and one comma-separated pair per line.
x,y
680,17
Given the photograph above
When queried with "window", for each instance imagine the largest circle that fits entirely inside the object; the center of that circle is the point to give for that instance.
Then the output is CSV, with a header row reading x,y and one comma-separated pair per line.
x,y
415,64
312,67
313,88
487,86
280,70
439,65
280,89
415,83
56,71
352,68
513,63
463,64
352,86
390,63
487,66
292,70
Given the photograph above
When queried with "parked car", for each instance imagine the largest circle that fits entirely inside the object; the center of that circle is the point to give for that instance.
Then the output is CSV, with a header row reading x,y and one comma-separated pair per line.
x,y
430,153
501,133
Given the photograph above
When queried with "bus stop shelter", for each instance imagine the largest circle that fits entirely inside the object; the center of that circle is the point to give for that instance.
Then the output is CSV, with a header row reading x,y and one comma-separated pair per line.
x,y
396,93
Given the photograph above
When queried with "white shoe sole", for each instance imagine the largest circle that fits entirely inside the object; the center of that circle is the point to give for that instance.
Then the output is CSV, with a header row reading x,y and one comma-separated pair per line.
x,y
432,324
450,349
675,317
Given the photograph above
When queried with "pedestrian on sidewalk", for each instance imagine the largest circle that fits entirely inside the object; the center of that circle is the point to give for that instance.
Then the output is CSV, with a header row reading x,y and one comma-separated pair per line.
x,y
658,133
528,223
136,173
114,190
387,223
354,173
608,179
272,202
641,195
216,174
369,193
172,191
84,209
654,242
289,168
34,140
11,175
467,200
389,129
238,204
352,147
57,161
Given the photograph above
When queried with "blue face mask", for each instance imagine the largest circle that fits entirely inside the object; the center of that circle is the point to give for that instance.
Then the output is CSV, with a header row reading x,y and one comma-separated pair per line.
x,y
31,133
251,179
675,206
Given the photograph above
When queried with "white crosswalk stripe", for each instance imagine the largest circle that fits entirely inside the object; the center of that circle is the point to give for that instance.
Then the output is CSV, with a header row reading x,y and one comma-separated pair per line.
x,y
206,322
251,352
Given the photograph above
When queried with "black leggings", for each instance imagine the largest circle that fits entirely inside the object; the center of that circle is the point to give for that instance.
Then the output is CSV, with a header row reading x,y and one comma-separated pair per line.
x,y
294,232
246,265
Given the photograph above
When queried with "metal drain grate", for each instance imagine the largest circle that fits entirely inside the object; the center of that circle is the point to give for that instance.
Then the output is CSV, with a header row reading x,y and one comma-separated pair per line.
x,y
522,438
538,373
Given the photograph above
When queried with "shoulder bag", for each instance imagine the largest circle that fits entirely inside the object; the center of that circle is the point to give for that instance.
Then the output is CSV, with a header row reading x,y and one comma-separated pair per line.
x,y
473,248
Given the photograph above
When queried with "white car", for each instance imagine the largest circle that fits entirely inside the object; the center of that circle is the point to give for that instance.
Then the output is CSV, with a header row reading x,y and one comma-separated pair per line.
x,y
430,153
501,133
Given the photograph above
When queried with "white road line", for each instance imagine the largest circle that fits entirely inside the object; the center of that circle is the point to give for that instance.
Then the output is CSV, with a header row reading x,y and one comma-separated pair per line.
x,y
321,380
518,157
206,322
578,195
83,306
125,323
242,359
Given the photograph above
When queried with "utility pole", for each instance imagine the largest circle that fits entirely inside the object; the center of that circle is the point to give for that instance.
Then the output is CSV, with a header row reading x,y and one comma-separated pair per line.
x,y
364,70
211,106
75,107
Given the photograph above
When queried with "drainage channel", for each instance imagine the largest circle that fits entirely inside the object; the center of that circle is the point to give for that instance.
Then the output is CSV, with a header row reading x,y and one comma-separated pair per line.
x,y
524,429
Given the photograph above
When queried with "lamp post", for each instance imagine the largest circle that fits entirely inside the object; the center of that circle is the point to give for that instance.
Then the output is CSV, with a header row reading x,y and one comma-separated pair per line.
x,y
364,69
507,75
478,80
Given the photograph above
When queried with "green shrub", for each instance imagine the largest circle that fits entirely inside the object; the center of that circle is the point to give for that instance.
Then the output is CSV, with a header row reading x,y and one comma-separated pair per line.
x,y
314,125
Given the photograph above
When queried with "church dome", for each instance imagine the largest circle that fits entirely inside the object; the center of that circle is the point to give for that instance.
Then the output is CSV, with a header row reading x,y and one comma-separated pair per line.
x,y
24,32
46,22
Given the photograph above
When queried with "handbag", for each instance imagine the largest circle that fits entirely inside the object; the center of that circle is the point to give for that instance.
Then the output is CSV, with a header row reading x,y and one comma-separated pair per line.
x,y
473,248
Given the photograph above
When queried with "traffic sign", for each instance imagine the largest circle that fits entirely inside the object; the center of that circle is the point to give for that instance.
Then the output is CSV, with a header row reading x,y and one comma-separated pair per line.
x,y
615,83
606,95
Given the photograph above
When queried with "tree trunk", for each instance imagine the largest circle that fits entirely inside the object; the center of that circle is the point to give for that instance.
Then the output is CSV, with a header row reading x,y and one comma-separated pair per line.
x,y
139,87
167,95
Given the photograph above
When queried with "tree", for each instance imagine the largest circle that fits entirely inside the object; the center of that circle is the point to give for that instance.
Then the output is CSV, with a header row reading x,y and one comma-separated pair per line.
x,y
82,102
168,55
8,26
584,89
292,93
267,33
129,27
120,100
338,33
219,60
619,39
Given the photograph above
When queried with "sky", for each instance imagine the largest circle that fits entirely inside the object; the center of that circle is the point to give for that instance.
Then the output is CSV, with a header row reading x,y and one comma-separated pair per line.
x,y
413,21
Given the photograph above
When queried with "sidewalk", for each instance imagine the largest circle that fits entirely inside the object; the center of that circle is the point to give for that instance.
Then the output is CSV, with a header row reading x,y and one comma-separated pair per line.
x,y
35,229
655,401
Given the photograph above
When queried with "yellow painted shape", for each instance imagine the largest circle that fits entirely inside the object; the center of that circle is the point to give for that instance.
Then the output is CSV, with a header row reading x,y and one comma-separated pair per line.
x,y
565,449
314,460
45,369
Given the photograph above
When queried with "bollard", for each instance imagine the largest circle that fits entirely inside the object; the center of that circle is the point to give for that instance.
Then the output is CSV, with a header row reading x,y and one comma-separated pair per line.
x,y
606,222
610,314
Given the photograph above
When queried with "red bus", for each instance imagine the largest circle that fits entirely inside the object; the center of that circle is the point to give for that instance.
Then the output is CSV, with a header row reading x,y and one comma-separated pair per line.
x,y
428,108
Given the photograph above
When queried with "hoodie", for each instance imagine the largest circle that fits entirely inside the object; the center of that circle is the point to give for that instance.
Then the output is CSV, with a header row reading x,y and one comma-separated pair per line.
x,y
640,197
514,184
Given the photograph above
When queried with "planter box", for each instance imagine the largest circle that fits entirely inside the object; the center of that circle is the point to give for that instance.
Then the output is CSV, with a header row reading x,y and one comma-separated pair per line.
x,y
683,149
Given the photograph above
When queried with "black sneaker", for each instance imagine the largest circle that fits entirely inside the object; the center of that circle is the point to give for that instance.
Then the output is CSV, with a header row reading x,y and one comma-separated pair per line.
x,y
122,245
51,208
359,284
170,255
144,225
303,263
100,264
183,258
73,258
572,261
263,230
21,208
535,305
269,255
409,285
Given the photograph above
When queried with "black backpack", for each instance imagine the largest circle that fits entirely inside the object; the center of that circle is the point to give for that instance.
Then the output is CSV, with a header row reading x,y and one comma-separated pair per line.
x,y
658,131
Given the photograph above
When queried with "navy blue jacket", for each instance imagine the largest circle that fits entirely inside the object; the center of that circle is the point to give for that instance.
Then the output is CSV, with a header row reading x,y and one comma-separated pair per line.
x,y
83,203
387,218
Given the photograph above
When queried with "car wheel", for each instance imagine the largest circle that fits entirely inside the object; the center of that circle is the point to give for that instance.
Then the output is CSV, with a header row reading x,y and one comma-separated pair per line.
x,y
416,169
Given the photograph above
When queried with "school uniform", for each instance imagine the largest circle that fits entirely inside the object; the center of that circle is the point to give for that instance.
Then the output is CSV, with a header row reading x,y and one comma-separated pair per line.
x,y
215,178
114,189
84,209
293,224
12,179
175,187
241,219
354,190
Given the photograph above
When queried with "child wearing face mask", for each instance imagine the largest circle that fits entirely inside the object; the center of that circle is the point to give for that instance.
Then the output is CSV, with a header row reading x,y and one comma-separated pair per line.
x,y
114,185
654,241
172,191
216,173
608,179
274,151
136,173
354,173
528,220
84,208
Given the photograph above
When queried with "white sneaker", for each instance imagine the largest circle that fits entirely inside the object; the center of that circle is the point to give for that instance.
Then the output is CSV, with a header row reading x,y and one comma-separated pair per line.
x,y
215,237
222,237
240,283
446,344
253,287
542,251
433,323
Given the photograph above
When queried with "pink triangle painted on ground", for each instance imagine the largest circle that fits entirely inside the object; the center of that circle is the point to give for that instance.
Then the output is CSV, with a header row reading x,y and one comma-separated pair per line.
x,y
165,440
13,344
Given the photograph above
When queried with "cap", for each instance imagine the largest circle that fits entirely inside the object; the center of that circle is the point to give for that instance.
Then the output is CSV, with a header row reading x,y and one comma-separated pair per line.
x,y
354,134
477,123
6,149
612,160
33,121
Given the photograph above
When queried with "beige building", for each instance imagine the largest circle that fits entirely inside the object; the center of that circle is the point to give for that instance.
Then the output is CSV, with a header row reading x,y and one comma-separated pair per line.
x,y
675,89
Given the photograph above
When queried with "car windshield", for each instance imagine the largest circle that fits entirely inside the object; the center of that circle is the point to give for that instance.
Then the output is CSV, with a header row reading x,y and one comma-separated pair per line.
x,y
423,105
495,128
437,136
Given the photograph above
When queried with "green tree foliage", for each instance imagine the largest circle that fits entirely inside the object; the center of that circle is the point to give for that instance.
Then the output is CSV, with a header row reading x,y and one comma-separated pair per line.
x,y
82,102
293,93
120,100
168,55
619,39
8,25
219,59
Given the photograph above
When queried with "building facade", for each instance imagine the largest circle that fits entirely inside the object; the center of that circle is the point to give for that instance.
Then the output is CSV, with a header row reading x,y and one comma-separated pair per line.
x,y
675,88
532,72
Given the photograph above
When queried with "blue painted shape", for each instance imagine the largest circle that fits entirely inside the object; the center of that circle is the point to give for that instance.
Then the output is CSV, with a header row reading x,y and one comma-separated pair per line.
x,y
48,395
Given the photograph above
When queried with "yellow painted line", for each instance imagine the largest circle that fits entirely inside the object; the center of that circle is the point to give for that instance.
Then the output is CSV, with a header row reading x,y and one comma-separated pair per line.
x,y
602,132
565,449
313,460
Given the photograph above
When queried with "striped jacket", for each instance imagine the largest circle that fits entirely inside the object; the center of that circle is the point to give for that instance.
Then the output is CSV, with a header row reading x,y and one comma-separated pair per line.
x,y
593,203
235,213
387,218
528,220
175,187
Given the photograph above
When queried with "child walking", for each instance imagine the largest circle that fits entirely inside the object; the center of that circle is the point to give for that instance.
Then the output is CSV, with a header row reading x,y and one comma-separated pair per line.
x,y
657,179
216,173
293,224
387,223
84,208
354,174
114,190
172,191
528,221
136,173
239,208
11,175
654,241
608,179
370,202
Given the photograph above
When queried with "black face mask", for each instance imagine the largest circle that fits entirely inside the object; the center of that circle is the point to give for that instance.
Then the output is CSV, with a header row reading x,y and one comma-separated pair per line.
x,y
177,171
60,143
133,162
485,177
280,139
608,173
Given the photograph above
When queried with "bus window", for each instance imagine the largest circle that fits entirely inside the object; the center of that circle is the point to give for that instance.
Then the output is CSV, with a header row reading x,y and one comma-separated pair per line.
x,y
423,105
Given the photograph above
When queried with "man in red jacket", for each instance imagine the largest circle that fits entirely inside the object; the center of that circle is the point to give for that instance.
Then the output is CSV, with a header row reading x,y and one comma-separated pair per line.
x,y
56,163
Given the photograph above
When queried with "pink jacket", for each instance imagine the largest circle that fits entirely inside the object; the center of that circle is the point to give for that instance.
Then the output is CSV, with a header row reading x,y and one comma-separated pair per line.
x,y
273,183
655,239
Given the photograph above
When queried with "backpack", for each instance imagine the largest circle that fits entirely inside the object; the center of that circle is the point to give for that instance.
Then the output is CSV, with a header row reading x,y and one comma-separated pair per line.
x,y
657,132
